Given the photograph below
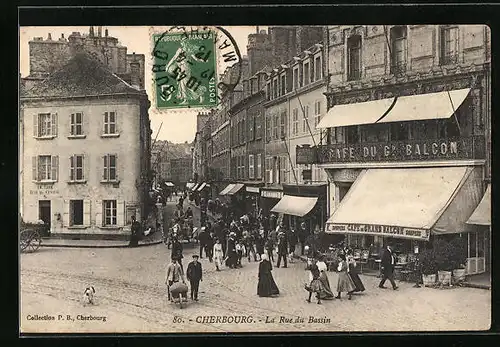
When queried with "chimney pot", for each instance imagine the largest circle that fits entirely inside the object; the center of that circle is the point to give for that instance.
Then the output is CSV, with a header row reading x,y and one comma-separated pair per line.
x,y
106,32
49,37
62,36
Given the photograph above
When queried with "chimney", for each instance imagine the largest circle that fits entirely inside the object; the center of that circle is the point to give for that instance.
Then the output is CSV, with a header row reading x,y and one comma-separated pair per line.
x,y
257,29
91,31
106,32
49,38
99,31
135,74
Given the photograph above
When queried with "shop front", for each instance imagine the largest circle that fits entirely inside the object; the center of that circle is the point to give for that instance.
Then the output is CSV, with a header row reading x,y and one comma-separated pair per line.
x,y
233,196
252,197
269,197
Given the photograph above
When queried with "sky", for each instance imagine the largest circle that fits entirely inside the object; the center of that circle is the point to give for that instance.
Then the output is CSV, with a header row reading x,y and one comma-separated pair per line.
x,y
178,125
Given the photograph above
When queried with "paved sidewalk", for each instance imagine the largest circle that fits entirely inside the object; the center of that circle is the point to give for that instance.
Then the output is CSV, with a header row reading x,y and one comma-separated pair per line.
x,y
146,241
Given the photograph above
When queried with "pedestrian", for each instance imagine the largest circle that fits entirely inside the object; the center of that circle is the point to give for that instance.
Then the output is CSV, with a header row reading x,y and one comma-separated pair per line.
x,y
302,235
344,283
177,250
240,251
174,274
327,292
202,238
353,273
273,222
231,256
315,286
248,240
388,262
209,246
189,212
259,242
218,254
194,275
266,286
282,249
269,245
135,229
292,242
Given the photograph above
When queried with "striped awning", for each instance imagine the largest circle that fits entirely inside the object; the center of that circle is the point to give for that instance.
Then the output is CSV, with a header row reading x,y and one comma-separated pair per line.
x,y
227,189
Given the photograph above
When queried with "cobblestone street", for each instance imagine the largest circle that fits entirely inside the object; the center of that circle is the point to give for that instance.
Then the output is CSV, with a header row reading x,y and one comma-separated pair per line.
x,y
131,294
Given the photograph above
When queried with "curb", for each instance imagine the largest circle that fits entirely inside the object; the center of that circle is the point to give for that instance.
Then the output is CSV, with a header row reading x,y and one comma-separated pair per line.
x,y
476,286
100,246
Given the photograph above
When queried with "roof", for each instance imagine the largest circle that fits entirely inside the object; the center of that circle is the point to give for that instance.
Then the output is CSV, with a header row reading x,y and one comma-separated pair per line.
x,y
81,76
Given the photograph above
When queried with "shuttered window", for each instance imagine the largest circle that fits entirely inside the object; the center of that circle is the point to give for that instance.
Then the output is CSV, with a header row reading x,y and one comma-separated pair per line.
x,y
76,124
110,167
109,212
45,168
45,125
76,169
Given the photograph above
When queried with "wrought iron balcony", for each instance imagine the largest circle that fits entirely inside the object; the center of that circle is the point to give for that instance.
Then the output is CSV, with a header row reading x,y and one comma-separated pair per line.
x,y
463,148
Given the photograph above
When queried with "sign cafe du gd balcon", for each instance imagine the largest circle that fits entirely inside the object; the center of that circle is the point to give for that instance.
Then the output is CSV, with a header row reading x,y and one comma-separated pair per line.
x,y
442,149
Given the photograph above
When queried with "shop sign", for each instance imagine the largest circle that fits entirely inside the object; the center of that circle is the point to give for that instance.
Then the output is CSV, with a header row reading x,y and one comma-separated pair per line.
x,y
44,190
380,230
273,194
255,190
305,155
442,149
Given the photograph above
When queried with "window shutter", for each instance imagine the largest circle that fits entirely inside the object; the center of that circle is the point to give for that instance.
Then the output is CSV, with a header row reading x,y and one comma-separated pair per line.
x,y
120,213
35,125
85,123
72,119
72,168
34,165
104,168
86,213
55,167
116,123
54,124
86,168
117,167
98,213
65,219
104,118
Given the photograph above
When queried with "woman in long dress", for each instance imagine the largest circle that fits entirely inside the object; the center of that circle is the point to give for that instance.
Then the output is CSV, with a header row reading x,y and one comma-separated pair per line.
x,y
353,273
315,286
344,283
218,254
266,286
327,293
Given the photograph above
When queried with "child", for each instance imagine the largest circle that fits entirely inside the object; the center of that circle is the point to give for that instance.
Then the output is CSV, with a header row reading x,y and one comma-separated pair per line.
x,y
240,250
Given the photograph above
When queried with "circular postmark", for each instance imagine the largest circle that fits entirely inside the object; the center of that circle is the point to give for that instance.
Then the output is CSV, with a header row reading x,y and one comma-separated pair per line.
x,y
194,67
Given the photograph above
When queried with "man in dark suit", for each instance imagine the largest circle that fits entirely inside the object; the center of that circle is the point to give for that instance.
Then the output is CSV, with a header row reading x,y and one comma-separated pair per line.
x,y
282,249
136,230
388,262
194,275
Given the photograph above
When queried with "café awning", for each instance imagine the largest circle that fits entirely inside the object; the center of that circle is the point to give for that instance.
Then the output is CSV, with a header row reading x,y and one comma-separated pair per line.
x,y
354,114
227,189
408,203
482,214
195,187
295,205
425,106
190,185
201,186
237,187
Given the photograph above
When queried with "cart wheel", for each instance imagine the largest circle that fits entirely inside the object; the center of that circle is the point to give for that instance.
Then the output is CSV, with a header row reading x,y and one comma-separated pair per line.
x,y
24,239
35,243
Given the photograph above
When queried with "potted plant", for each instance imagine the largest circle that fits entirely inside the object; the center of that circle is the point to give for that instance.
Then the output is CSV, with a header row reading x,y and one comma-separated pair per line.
x,y
458,250
427,260
443,252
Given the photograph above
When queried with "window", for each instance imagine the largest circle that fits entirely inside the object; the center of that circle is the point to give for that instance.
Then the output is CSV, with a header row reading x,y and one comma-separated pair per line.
x,y
251,127
449,45
76,212
242,159
275,88
317,113
295,121
283,166
375,132
307,78
318,69
283,85
399,131
45,168
305,119
110,123
259,165
76,168
258,125
398,49
76,123
269,169
251,166
110,168
283,124
45,125
275,126
352,134
296,78
268,91
109,212
268,127
354,58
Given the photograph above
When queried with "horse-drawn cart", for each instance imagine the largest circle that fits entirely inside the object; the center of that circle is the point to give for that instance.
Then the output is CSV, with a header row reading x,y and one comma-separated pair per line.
x,y
30,236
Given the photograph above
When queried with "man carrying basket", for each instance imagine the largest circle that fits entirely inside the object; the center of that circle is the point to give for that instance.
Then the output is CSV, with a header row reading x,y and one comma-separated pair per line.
x,y
176,284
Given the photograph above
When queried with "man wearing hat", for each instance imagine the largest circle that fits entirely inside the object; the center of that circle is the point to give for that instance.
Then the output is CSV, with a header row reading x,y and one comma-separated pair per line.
x,y
194,275
231,255
174,274
282,249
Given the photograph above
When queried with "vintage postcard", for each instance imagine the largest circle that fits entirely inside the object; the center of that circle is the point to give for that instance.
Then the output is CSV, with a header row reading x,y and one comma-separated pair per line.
x,y
217,179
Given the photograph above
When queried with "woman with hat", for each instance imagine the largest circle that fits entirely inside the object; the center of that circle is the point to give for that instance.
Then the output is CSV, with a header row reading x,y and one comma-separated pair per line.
x,y
323,268
266,286
344,283
231,255
352,270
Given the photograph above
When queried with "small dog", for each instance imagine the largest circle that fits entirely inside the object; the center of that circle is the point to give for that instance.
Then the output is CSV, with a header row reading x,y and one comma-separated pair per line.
x,y
88,295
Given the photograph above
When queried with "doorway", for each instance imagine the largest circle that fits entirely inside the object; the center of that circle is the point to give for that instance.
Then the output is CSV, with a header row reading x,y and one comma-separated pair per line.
x,y
44,211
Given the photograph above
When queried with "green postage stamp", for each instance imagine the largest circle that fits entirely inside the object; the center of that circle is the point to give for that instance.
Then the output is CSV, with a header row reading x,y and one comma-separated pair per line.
x,y
185,71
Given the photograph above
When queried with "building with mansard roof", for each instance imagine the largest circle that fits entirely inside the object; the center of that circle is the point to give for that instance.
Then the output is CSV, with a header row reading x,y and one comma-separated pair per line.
x,y
85,149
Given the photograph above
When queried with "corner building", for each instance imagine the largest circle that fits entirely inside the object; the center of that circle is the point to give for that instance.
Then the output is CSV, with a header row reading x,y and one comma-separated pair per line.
x,y
408,153
85,150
